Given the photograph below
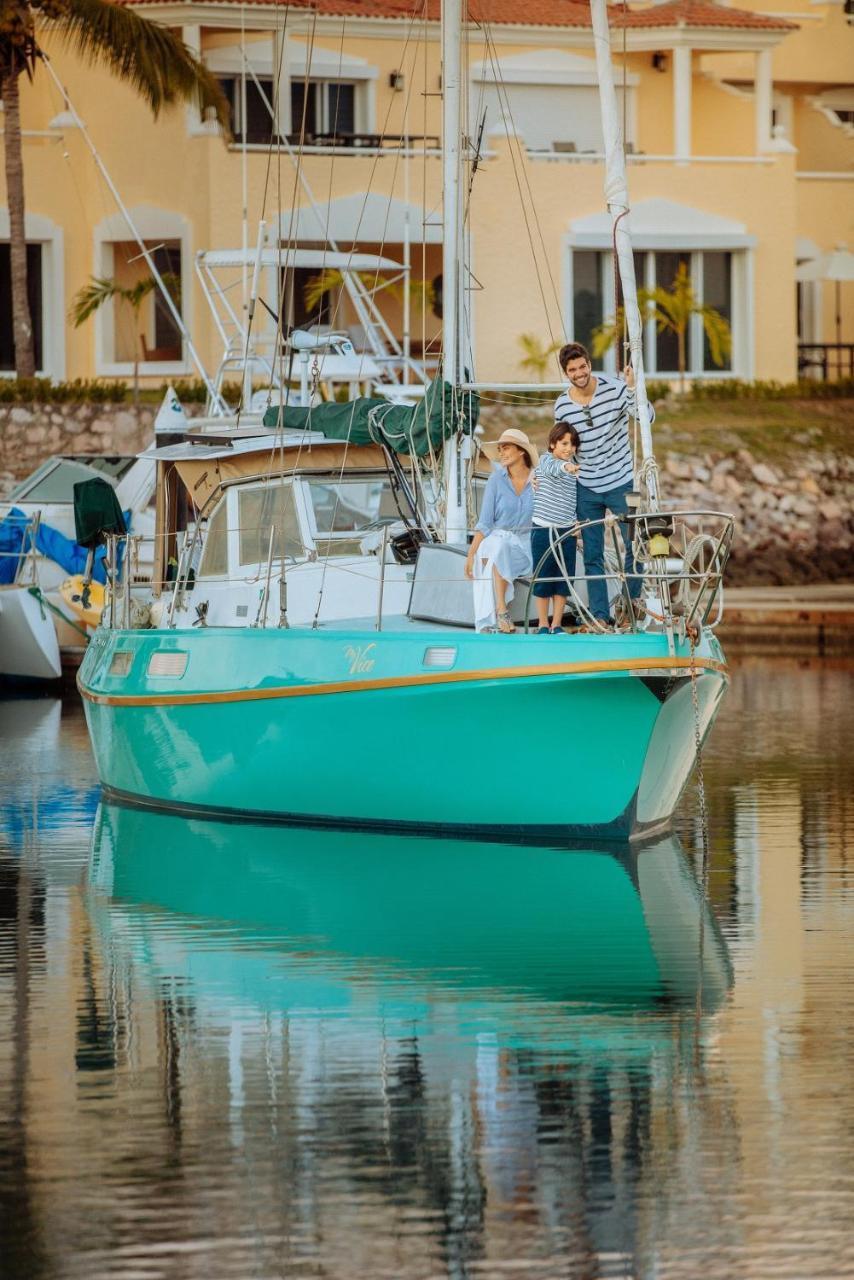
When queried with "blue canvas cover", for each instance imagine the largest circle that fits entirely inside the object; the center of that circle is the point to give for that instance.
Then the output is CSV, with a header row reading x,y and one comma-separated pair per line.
x,y
15,543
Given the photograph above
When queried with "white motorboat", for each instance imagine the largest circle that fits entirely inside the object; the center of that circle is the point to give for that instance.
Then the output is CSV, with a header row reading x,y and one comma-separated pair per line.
x,y
38,630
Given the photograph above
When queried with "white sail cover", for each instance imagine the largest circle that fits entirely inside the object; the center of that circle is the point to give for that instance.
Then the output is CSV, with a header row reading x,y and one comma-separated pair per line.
x,y
617,198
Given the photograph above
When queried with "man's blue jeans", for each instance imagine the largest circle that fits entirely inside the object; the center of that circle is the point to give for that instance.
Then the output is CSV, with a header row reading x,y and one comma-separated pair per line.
x,y
593,506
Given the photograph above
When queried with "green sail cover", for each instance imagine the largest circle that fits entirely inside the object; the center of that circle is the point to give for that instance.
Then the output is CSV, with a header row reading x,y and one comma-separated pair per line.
x,y
411,429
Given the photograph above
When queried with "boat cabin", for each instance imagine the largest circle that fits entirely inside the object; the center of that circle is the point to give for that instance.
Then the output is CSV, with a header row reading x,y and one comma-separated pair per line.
x,y
237,514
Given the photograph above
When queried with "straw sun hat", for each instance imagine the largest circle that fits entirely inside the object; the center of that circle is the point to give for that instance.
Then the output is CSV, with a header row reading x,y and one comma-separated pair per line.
x,y
511,436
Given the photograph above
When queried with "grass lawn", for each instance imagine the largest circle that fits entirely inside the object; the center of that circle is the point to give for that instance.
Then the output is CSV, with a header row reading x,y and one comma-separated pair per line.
x,y
772,430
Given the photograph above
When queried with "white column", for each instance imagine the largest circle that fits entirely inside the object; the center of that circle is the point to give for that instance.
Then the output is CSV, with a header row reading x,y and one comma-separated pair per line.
x,y
763,88
682,102
281,68
192,37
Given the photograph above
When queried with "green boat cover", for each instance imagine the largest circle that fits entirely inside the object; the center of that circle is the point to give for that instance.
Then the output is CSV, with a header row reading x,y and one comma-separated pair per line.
x,y
96,512
411,429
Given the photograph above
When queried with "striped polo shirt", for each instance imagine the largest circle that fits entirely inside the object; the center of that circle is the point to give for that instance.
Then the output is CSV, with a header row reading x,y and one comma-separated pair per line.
x,y
605,456
554,500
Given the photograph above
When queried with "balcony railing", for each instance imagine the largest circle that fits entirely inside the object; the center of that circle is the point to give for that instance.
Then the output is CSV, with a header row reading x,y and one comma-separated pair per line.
x,y
826,360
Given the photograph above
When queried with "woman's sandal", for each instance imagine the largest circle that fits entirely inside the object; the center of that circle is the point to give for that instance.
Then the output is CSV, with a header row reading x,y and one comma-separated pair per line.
x,y
505,626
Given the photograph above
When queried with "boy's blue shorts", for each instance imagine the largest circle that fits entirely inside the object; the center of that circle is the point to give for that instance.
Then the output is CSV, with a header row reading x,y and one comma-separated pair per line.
x,y
551,580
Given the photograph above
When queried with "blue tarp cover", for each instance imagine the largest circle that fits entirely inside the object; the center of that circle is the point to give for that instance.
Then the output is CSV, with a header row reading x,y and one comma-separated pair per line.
x,y
15,543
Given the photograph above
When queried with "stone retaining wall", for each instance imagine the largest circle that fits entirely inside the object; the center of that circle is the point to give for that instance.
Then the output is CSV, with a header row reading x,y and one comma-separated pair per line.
x,y
31,433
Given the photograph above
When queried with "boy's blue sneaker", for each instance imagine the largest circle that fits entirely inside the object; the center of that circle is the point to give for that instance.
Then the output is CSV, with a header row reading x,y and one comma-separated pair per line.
x,y
544,631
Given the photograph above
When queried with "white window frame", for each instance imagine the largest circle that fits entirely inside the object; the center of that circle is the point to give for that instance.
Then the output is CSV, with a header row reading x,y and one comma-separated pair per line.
x,y
153,225
48,234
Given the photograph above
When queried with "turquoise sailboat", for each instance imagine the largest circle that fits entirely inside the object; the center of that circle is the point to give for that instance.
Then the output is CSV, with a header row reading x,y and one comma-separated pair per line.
x,y
310,656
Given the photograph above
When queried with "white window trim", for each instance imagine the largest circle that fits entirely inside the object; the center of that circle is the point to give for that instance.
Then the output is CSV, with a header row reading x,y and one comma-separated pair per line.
x,y
40,230
153,225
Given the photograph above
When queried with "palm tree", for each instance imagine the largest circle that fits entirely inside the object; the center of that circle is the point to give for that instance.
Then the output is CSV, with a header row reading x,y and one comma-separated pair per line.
x,y
330,279
98,291
151,58
672,310
536,356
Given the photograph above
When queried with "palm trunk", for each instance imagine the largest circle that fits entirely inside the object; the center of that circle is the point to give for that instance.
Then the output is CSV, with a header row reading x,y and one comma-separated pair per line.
x,y
22,324
680,338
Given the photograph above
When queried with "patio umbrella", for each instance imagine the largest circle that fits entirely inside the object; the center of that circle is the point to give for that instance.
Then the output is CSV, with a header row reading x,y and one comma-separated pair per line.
x,y
837,266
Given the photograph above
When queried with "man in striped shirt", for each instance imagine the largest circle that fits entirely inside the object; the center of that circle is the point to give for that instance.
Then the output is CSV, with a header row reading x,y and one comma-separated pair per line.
x,y
598,406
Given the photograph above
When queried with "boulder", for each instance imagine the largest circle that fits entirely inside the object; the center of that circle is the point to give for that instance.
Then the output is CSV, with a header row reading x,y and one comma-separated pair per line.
x,y
764,475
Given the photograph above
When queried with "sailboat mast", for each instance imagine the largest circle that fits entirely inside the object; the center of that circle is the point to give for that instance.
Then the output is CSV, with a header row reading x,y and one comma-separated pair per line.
x,y
617,197
457,448
452,18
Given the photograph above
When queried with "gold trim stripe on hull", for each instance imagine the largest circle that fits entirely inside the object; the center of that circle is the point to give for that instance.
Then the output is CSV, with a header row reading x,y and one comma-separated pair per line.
x,y
642,665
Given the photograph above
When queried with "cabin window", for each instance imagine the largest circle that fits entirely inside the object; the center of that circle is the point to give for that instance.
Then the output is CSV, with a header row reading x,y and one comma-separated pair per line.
x,y
53,482
34,294
345,510
262,510
214,562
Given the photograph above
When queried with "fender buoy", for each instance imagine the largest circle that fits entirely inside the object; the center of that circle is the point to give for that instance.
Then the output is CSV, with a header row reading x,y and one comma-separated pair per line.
x,y
72,595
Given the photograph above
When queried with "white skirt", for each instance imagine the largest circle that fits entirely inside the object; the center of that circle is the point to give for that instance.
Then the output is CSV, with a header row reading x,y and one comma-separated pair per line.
x,y
510,554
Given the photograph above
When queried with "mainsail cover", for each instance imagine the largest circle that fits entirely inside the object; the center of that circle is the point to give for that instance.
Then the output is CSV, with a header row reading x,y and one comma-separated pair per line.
x,y
410,429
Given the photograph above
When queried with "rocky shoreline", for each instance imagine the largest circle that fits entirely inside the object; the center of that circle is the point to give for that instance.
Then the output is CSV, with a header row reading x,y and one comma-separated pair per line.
x,y
790,528
794,518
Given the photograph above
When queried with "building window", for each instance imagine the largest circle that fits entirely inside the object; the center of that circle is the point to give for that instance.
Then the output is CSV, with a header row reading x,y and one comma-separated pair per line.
x,y
329,108
588,299
712,278
143,329
258,126
34,293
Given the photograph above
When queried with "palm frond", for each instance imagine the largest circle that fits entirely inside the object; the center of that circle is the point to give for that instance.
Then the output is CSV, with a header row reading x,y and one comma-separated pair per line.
x,y
148,56
536,354
719,334
92,296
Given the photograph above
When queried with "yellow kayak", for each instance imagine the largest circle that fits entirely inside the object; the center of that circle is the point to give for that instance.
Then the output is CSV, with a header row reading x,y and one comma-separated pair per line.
x,y
72,594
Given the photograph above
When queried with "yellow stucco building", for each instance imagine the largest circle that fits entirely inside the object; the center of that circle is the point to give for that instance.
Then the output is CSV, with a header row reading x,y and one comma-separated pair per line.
x,y
740,137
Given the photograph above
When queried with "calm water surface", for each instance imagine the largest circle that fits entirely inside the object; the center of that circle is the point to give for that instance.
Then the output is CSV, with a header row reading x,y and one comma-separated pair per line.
x,y
230,1051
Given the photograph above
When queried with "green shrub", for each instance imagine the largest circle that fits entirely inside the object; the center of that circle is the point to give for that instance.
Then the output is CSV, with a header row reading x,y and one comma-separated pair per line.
x,y
43,391
194,391
657,390
736,389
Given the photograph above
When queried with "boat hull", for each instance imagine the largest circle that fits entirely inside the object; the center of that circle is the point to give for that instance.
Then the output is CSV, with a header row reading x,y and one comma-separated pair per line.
x,y
29,648
588,737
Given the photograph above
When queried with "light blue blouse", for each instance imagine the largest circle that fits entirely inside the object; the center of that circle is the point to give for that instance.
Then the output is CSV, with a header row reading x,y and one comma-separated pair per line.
x,y
503,507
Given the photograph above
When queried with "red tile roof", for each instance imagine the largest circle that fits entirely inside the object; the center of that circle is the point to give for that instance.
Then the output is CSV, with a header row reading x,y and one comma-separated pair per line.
x,y
546,13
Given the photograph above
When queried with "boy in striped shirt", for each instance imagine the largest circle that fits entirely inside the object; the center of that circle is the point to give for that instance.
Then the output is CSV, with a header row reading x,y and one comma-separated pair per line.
x,y
598,406
553,516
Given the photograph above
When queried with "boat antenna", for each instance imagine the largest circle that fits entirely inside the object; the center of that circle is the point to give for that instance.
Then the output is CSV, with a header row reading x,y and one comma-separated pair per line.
x,y
617,199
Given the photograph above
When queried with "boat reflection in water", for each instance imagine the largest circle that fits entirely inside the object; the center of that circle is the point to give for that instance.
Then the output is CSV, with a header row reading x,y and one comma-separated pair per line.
x,y
395,1053
275,919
